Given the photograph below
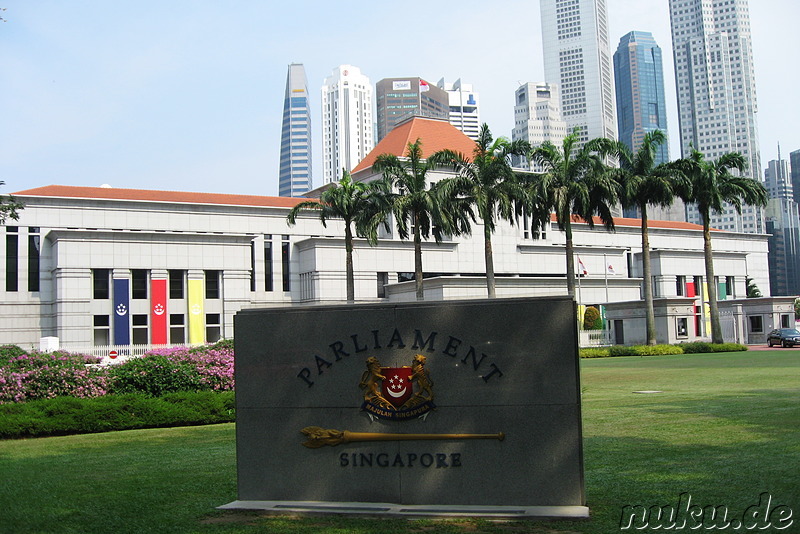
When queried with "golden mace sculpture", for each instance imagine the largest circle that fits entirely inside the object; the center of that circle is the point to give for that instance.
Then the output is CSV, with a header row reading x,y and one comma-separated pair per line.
x,y
319,437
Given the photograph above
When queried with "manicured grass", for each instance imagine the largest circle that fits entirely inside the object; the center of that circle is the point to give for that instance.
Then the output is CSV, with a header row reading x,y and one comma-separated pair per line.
x,y
725,429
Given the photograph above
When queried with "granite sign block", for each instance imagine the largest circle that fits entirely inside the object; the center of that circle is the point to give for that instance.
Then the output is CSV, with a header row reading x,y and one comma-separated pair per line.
x,y
429,404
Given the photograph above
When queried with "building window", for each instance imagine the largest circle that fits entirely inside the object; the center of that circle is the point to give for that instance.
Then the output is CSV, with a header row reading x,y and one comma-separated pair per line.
x,y
729,286
698,287
268,285
176,283
252,265
756,324
383,279
33,259
212,284
177,332
682,327
12,258
139,323
139,284
285,261
102,330
101,285
785,320
680,285
213,327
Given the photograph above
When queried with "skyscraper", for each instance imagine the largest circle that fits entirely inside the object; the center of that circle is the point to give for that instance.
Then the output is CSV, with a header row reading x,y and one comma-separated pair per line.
x,y
777,179
716,91
464,107
641,106
782,222
577,57
639,83
347,134
537,117
397,99
294,177
794,170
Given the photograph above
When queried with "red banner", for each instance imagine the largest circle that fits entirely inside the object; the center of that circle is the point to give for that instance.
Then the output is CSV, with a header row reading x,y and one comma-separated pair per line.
x,y
690,289
158,312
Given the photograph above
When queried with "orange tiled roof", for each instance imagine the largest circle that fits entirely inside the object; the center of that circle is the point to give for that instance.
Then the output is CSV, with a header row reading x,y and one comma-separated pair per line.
x,y
434,134
637,223
68,191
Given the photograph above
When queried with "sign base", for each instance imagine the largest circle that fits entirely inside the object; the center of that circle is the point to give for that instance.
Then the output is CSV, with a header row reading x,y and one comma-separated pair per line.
x,y
418,510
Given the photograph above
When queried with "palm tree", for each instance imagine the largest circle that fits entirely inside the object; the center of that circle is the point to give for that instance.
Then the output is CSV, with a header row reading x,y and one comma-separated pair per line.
x,y
416,204
487,182
642,183
351,202
712,185
575,182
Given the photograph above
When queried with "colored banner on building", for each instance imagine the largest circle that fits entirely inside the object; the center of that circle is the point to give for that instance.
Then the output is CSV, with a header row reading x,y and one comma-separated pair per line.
x,y
197,322
691,291
122,316
158,312
722,291
706,309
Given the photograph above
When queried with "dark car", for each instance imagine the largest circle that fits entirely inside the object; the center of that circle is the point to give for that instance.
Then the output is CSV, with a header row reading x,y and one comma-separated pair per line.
x,y
788,337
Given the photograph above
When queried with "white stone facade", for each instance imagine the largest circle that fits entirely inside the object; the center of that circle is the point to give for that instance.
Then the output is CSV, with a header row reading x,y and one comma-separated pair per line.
x,y
198,237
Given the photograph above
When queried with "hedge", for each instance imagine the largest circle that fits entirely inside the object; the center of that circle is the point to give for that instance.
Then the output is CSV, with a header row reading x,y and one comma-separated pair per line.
x,y
657,350
71,415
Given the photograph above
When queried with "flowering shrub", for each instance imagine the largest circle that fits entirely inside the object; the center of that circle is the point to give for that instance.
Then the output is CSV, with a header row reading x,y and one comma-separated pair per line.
x,y
38,375
27,376
213,364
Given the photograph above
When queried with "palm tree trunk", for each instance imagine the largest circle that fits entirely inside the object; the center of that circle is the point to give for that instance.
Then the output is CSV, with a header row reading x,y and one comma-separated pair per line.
x,y
487,249
650,316
418,261
716,329
570,260
348,246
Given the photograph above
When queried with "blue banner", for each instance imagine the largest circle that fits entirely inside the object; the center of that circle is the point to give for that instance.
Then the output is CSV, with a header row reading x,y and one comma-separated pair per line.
x,y
122,316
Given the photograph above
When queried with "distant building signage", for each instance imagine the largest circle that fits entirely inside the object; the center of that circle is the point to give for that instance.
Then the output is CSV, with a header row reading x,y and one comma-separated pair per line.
x,y
401,85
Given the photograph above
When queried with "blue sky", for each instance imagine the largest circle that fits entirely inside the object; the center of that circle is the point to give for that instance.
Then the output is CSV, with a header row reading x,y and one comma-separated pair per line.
x,y
188,95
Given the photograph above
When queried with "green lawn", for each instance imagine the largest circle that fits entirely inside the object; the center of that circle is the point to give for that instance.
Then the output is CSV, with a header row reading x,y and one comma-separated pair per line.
x,y
725,429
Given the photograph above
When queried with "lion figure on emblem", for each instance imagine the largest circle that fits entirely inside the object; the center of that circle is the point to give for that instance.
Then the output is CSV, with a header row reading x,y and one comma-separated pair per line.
x,y
424,383
371,384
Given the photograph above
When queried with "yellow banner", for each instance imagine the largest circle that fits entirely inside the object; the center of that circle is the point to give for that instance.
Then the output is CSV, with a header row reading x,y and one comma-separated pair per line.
x,y
706,310
197,317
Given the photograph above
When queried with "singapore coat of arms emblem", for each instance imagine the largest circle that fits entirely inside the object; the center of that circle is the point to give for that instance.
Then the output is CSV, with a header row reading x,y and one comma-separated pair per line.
x,y
397,393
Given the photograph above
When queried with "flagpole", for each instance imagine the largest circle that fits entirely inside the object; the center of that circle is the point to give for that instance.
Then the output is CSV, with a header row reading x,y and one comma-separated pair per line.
x,y
605,275
580,270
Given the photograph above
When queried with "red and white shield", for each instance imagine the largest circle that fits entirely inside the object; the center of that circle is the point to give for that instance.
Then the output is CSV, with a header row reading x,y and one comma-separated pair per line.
x,y
396,387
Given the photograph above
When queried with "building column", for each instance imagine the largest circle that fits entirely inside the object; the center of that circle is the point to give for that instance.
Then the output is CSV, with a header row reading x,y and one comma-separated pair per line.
x,y
73,315
236,296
